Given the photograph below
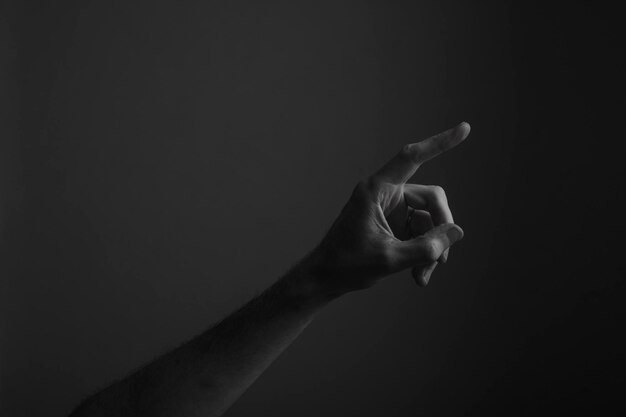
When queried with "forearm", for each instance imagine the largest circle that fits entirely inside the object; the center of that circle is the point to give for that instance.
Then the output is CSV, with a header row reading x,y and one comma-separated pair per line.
x,y
206,375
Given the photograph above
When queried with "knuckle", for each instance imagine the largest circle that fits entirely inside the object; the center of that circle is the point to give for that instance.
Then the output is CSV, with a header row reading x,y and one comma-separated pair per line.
x,y
365,192
367,186
409,152
438,194
438,191
386,258
430,251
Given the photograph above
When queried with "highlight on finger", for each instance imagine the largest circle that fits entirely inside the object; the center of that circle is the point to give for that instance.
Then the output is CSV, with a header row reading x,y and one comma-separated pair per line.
x,y
422,274
401,167
436,145
427,248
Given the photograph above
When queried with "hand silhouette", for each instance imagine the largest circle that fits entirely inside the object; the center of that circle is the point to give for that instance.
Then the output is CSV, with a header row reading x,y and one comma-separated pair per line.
x,y
389,225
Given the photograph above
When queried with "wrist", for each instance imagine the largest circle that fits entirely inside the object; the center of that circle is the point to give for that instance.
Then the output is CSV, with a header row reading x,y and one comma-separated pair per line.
x,y
304,285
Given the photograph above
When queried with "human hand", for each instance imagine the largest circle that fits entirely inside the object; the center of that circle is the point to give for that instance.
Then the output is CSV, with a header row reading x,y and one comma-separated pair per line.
x,y
389,225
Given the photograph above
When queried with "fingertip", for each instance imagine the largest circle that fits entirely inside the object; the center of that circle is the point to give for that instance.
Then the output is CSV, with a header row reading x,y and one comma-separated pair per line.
x,y
419,276
455,233
464,129
422,280
422,274
428,272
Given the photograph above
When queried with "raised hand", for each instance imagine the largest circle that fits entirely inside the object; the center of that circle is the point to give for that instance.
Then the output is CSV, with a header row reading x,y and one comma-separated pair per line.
x,y
386,226
389,225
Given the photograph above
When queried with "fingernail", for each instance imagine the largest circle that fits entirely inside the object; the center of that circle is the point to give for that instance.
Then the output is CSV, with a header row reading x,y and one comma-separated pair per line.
x,y
464,128
455,234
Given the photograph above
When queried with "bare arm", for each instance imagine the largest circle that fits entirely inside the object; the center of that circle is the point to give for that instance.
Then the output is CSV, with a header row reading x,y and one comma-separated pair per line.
x,y
386,226
206,375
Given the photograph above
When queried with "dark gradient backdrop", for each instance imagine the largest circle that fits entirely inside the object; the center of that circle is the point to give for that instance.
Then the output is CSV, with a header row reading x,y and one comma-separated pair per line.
x,y
164,161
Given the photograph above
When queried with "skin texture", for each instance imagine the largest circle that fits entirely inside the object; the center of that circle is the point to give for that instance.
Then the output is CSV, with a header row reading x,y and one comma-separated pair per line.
x,y
386,226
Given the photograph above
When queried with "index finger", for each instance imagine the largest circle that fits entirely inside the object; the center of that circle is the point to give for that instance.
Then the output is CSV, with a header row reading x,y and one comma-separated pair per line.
x,y
402,167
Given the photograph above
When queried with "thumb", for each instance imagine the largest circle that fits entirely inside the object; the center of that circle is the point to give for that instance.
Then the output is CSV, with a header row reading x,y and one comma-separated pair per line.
x,y
427,248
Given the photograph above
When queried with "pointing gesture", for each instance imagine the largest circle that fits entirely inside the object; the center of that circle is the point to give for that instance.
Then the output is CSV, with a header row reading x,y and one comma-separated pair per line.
x,y
389,225
402,167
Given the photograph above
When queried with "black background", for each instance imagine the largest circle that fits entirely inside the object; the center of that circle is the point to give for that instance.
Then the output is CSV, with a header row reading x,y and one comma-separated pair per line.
x,y
162,162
